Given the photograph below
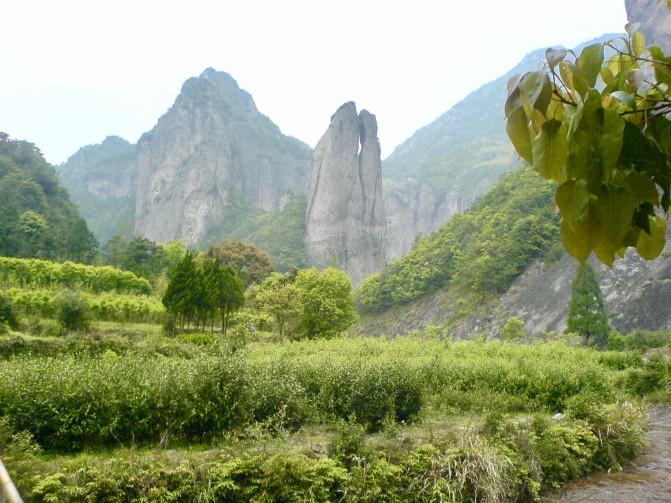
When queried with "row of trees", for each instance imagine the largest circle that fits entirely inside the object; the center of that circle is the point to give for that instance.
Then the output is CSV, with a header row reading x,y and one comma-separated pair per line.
x,y
201,293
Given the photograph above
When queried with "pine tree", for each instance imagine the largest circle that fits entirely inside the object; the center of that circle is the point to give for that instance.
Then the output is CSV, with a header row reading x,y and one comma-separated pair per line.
x,y
587,314
178,297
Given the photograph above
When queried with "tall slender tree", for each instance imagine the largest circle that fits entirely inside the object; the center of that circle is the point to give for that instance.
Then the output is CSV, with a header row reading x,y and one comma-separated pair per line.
x,y
587,314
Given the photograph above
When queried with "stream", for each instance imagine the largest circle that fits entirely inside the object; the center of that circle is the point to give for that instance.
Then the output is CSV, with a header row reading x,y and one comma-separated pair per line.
x,y
646,479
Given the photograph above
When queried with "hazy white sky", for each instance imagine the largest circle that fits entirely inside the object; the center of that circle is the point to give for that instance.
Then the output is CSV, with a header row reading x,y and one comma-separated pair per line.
x,y
73,72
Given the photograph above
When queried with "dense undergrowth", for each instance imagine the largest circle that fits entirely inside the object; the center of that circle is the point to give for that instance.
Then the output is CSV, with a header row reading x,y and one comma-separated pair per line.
x,y
455,421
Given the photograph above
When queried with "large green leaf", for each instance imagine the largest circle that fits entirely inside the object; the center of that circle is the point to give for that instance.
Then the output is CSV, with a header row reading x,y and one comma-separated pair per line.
x,y
572,198
555,56
550,149
536,91
576,240
572,76
642,187
662,65
638,43
649,246
614,210
517,128
590,62
610,141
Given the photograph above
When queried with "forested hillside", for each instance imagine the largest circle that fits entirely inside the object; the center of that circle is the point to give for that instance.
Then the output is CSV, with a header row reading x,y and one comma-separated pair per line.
x,y
483,250
101,181
37,218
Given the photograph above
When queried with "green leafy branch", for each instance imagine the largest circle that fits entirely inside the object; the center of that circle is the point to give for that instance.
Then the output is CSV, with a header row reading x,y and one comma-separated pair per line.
x,y
599,127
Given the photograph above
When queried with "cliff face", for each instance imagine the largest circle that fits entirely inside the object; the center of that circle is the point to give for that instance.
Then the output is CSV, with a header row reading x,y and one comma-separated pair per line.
x,y
344,219
101,180
655,19
414,209
212,157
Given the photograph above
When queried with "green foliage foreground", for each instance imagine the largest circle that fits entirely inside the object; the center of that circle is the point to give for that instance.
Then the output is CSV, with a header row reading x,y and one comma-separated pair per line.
x,y
67,403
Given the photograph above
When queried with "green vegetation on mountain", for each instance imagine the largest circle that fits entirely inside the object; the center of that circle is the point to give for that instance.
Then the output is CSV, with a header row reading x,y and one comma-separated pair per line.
x,y
483,250
101,182
37,218
281,235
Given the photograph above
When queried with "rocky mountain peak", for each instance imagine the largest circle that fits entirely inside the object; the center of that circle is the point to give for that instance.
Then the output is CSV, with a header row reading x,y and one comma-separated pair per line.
x,y
212,157
655,19
344,220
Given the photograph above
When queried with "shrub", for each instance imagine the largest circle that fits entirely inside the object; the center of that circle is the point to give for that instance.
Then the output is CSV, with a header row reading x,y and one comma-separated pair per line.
x,y
349,444
7,316
513,330
72,311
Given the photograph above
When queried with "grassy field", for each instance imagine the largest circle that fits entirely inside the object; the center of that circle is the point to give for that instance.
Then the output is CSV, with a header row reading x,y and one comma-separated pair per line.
x,y
125,414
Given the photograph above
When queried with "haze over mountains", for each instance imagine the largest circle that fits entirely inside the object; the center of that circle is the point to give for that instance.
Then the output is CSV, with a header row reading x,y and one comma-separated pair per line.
x,y
214,168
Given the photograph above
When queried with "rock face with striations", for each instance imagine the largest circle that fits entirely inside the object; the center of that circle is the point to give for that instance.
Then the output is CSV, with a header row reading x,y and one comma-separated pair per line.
x,y
212,157
345,223
655,19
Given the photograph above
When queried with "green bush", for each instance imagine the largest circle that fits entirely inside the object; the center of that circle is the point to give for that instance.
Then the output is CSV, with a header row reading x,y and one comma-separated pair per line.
x,y
36,273
70,403
7,316
72,312
103,306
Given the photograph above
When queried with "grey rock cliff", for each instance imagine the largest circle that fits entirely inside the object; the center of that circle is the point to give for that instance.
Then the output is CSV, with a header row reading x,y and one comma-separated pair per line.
x,y
211,154
655,19
637,294
344,219
413,209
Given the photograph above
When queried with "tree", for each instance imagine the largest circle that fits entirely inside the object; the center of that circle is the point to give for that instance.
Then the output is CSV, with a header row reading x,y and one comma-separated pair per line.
x,y
513,330
602,132
114,252
278,297
327,305
587,314
250,263
225,291
178,297
143,257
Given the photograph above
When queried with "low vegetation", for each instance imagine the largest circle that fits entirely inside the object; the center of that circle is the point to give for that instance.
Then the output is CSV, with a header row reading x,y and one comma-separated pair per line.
x,y
326,420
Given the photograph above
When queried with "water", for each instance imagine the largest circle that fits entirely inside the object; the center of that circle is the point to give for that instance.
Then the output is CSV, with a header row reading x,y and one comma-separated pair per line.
x,y
646,480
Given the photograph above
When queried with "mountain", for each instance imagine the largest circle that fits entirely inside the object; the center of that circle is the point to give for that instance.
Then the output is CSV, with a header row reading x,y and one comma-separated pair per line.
x,y
654,17
101,180
37,218
212,161
445,166
344,219
502,258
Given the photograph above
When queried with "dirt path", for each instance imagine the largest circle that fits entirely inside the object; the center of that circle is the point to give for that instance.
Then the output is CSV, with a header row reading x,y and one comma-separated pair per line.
x,y
646,480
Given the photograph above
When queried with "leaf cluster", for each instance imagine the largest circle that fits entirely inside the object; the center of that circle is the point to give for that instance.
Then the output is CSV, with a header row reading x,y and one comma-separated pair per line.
x,y
597,124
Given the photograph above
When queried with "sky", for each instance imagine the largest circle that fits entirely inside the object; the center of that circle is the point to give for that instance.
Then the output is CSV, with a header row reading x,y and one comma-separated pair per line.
x,y
74,72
